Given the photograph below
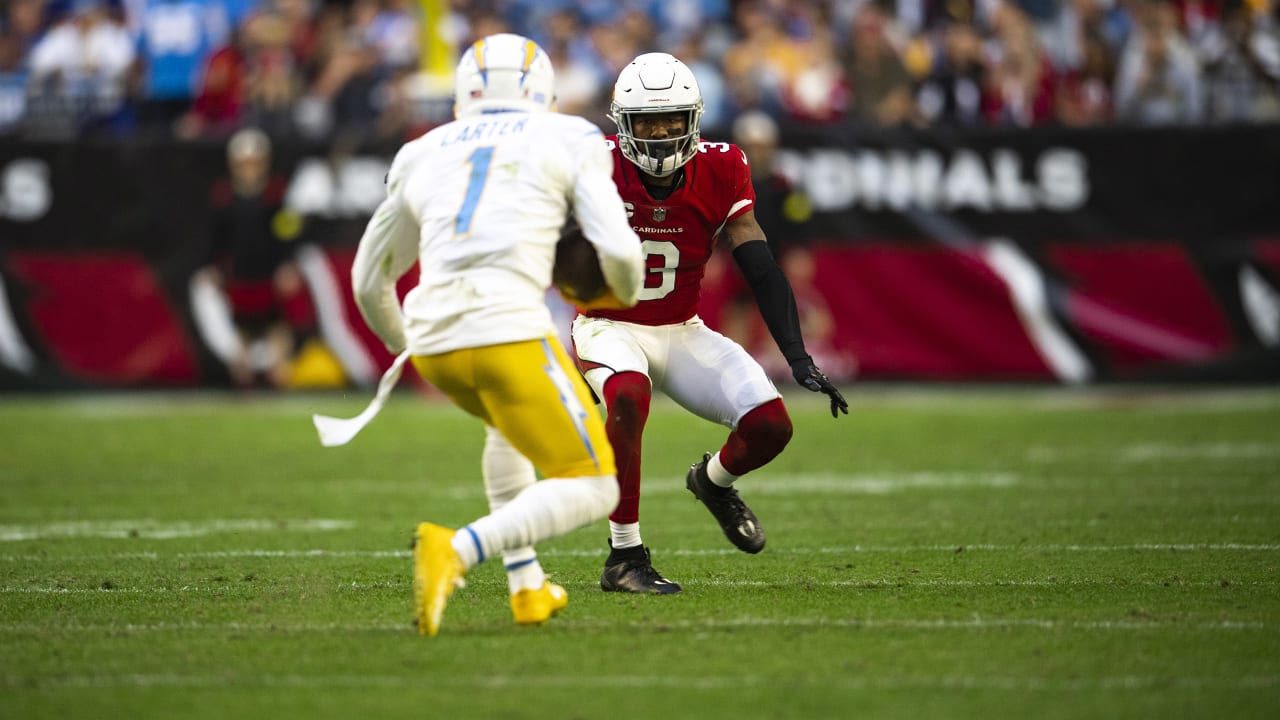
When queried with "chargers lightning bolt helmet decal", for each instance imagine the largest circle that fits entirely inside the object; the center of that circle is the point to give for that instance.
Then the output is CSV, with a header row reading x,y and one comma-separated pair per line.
x,y
503,72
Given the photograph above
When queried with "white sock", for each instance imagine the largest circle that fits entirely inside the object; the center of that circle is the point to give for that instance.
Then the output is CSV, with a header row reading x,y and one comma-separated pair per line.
x,y
467,544
506,474
717,474
544,510
624,535
524,572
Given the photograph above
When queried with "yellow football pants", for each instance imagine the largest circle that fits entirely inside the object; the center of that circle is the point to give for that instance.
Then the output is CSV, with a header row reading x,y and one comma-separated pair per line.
x,y
534,395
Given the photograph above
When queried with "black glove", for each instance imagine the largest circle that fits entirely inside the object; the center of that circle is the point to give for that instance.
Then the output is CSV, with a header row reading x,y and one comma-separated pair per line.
x,y
808,375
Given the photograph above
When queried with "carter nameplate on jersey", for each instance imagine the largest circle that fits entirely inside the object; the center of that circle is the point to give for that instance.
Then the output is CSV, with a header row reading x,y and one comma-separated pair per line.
x,y
659,214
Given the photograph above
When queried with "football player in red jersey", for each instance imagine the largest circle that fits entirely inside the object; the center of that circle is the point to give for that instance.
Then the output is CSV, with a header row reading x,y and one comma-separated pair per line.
x,y
683,196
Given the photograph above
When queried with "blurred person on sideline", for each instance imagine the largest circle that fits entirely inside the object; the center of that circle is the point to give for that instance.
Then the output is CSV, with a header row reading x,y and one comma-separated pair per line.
x,y
763,62
24,22
818,91
683,196
784,212
13,84
273,80
1159,81
951,95
301,20
79,74
1021,83
1084,97
175,39
1242,65
479,204
355,93
253,242
258,76
1077,23
781,210
219,106
880,86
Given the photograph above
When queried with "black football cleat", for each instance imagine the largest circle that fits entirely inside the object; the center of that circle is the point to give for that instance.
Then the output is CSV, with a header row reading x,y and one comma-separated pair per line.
x,y
630,570
736,519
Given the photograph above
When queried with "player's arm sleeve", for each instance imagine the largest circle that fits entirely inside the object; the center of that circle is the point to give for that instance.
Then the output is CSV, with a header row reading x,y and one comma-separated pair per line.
x,y
774,297
387,250
603,220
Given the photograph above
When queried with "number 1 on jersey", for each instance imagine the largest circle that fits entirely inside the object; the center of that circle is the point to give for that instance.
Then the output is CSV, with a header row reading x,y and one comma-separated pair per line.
x,y
479,162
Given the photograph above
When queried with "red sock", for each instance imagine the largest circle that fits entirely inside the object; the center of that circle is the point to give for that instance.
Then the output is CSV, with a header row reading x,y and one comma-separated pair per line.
x,y
761,435
627,394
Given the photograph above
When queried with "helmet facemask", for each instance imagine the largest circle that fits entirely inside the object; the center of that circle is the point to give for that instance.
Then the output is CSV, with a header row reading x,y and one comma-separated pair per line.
x,y
659,157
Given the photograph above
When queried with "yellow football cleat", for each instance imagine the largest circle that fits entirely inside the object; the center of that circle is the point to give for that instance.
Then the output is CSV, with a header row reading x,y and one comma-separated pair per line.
x,y
437,571
533,607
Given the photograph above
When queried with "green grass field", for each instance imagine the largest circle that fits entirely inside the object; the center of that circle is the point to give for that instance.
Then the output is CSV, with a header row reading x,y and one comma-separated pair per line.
x,y
941,553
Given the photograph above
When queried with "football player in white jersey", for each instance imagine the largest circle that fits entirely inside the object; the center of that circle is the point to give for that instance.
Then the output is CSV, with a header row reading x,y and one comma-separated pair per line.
x,y
479,204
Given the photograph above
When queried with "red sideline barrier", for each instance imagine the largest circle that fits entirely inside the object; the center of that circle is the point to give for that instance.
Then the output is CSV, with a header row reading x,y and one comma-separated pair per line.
x,y
104,318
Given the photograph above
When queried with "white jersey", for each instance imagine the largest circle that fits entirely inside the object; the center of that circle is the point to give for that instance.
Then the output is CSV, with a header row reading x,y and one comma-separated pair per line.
x,y
480,203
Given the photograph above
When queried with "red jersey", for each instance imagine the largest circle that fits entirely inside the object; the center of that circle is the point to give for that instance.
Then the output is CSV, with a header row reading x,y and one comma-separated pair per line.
x,y
678,234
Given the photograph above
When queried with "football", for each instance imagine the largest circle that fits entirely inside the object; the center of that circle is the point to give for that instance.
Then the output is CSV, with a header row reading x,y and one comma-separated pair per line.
x,y
577,272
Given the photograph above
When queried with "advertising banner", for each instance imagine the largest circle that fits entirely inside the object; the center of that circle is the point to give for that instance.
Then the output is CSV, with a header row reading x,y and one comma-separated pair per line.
x,y
1049,256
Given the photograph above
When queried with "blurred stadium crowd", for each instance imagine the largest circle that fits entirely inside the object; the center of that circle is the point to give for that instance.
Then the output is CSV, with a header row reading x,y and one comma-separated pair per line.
x,y
380,70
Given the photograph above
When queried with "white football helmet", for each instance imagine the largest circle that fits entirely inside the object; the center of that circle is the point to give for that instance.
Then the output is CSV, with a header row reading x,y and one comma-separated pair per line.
x,y
657,83
503,72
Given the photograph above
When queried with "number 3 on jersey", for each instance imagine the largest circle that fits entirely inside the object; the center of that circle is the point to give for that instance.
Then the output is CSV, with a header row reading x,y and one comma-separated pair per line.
x,y
479,162
666,271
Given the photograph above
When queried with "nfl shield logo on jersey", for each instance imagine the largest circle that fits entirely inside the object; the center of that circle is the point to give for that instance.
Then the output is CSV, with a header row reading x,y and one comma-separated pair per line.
x,y
659,214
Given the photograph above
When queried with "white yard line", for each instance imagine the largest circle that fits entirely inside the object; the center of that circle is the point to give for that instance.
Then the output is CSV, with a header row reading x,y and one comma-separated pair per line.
x,y
1147,452
554,552
164,530
1156,452
822,484
767,484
